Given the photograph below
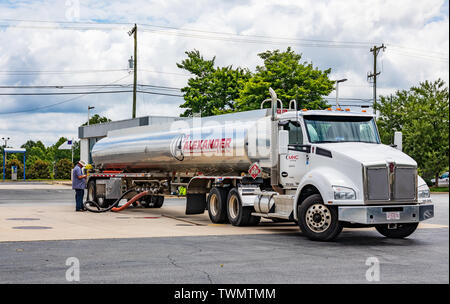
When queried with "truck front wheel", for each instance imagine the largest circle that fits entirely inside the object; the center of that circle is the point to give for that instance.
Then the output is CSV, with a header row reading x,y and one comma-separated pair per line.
x,y
397,232
318,221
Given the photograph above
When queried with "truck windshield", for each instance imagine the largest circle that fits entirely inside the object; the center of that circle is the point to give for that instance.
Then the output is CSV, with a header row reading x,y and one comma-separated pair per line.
x,y
332,129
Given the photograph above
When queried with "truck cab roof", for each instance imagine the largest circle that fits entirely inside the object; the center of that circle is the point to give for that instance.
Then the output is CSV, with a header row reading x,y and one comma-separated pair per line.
x,y
328,112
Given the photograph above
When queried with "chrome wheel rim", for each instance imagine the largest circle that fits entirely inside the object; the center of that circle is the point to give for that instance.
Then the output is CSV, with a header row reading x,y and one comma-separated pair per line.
x,y
318,218
233,207
213,204
91,194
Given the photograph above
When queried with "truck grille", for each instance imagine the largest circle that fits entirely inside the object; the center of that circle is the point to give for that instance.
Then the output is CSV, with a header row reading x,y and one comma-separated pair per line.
x,y
382,184
377,184
405,183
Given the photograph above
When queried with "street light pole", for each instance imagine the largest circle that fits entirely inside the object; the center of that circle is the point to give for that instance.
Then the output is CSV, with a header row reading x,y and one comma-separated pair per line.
x,y
5,140
337,90
4,156
89,117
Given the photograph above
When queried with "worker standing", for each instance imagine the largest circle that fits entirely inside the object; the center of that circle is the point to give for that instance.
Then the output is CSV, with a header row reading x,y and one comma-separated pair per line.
x,y
79,184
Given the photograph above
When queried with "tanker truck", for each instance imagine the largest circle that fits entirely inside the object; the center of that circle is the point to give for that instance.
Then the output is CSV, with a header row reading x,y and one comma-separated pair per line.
x,y
322,169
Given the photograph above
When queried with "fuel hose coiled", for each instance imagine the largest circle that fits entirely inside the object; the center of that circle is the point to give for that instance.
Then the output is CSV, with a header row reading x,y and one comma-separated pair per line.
x,y
113,207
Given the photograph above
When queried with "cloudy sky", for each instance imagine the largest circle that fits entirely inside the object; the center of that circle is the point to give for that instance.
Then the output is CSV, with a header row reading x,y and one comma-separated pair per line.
x,y
85,44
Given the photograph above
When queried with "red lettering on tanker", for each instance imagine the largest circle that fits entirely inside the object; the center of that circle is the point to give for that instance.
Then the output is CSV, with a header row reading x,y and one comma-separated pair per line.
x,y
207,145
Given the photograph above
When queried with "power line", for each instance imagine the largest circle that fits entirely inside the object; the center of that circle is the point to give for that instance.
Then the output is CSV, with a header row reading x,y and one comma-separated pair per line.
x,y
63,93
60,87
168,29
57,103
226,36
27,72
158,93
83,86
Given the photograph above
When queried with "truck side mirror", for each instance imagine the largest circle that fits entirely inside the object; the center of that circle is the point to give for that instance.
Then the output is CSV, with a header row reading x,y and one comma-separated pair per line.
x,y
398,137
283,142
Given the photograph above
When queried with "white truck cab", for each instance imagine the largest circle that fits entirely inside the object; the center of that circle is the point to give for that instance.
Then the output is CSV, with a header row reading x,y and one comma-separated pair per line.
x,y
336,173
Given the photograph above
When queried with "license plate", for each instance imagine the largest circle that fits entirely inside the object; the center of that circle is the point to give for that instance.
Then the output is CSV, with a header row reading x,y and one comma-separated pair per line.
x,y
390,216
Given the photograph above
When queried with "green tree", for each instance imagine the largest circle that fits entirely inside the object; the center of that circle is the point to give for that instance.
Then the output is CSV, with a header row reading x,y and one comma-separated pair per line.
x,y
422,114
212,90
63,169
96,119
291,79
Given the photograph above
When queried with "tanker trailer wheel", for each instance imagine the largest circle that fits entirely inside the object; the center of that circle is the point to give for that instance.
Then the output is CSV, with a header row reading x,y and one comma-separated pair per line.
x,y
217,205
158,201
398,232
153,201
237,214
92,195
318,221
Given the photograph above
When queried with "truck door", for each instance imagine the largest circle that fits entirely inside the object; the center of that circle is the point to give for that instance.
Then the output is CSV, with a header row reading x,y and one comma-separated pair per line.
x,y
293,164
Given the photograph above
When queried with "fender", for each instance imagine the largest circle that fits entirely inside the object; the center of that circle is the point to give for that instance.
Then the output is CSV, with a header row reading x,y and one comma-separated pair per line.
x,y
323,179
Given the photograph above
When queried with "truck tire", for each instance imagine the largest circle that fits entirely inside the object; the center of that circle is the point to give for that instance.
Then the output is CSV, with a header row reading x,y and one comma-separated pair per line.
x,y
153,201
237,214
159,201
318,221
91,191
92,195
217,205
402,230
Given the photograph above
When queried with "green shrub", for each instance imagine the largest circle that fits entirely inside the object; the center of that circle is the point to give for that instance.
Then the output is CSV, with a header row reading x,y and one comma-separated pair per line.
x,y
63,169
39,169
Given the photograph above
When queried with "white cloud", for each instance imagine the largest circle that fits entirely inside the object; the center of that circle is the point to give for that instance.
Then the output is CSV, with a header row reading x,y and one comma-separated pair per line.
x,y
403,25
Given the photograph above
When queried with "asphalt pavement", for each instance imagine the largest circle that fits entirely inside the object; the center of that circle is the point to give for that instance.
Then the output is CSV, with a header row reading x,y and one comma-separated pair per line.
x,y
262,258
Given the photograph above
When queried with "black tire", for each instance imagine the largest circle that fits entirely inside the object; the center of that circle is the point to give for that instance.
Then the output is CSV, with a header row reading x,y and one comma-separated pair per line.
x,y
92,195
254,220
237,214
91,191
402,230
317,221
217,205
159,201
153,201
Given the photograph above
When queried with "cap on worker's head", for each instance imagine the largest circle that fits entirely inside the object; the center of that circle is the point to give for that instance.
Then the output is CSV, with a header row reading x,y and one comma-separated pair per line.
x,y
82,163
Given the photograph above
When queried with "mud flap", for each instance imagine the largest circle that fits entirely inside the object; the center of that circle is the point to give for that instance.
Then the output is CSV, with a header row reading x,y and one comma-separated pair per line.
x,y
195,203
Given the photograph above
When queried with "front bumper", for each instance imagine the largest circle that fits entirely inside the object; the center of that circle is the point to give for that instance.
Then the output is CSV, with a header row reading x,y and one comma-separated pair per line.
x,y
379,214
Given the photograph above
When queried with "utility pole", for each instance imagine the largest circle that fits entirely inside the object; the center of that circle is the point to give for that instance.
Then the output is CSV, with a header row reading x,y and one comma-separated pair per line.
x,y
375,50
133,31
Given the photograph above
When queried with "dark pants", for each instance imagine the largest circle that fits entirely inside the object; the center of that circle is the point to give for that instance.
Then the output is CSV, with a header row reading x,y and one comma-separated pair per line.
x,y
79,194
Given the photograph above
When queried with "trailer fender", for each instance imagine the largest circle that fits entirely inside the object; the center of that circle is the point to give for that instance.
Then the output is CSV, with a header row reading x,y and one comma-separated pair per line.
x,y
196,195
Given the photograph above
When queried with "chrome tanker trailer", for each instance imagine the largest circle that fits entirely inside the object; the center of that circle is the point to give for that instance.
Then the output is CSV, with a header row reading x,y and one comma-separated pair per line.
x,y
323,169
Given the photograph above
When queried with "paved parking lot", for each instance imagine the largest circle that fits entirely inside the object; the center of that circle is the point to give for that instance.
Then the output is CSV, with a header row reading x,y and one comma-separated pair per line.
x,y
165,246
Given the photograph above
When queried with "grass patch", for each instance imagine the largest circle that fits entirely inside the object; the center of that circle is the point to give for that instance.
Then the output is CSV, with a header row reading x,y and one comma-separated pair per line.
x,y
439,189
37,180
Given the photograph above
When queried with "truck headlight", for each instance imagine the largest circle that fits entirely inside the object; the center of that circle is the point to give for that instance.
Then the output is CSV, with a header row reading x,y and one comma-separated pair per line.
x,y
344,193
423,192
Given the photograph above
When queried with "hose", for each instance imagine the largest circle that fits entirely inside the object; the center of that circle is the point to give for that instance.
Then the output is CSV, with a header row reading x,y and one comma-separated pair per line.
x,y
114,205
132,200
